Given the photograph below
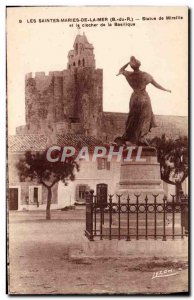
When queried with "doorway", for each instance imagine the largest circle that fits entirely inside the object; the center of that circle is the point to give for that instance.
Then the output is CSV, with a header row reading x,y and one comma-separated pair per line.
x,y
13,198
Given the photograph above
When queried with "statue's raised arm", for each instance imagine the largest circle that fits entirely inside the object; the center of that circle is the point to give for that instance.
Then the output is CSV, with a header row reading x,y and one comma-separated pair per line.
x,y
122,69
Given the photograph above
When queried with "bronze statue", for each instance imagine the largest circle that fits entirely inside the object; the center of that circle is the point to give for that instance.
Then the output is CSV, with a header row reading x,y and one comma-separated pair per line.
x,y
141,118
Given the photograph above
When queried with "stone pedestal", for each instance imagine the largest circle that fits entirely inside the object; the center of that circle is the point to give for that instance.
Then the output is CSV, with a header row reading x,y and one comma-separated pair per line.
x,y
141,176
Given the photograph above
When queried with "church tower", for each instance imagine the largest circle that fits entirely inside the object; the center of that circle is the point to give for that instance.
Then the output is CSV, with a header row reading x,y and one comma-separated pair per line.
x,y
86,113
68,101
82,54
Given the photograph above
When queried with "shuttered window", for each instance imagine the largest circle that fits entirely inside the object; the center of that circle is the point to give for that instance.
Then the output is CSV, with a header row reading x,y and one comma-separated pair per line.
x,y
103,164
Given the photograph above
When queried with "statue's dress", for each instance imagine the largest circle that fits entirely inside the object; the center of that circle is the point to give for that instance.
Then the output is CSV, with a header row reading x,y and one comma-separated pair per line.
x,y
141,118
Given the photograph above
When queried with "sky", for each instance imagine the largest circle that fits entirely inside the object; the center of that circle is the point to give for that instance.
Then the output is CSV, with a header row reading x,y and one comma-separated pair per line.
x,y
160,45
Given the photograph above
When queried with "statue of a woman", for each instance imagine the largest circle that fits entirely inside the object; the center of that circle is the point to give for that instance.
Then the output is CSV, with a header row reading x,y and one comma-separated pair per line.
x,y
141,118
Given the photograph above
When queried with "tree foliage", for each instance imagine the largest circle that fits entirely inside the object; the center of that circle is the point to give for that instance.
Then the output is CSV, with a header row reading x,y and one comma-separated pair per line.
x,y
35,166
173,158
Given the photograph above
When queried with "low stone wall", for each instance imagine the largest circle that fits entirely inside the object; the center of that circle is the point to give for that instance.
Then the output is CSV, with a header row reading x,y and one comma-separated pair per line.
x,y
114,248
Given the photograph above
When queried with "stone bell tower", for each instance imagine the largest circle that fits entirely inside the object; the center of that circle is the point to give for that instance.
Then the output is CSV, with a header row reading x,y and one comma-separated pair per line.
x,y
88,84
82,54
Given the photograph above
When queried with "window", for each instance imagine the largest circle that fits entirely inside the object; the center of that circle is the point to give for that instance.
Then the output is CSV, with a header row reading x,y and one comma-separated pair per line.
x,y
76,48
35,195
103,164
80,48
81,192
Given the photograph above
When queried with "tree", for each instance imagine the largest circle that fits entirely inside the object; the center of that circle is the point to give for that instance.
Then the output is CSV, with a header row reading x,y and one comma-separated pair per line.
x,y
35,166
173,159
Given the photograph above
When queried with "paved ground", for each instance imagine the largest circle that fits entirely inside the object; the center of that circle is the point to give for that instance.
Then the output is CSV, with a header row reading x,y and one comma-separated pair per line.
x,y
40,261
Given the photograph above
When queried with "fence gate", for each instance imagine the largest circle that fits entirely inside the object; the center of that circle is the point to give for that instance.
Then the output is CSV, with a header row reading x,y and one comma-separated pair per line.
x,y
122,218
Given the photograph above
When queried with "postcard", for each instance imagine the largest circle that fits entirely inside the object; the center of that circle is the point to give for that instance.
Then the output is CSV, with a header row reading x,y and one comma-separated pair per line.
x,y
97,144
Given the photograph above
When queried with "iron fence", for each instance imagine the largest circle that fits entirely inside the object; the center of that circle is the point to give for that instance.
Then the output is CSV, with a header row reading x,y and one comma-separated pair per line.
x,y
124,219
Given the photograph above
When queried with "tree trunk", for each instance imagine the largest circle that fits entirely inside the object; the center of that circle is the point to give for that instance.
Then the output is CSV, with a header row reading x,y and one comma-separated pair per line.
x,y
179,191
49,197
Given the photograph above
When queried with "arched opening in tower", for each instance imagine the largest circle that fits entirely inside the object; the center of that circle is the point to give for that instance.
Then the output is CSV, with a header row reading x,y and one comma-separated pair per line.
x,y
76,48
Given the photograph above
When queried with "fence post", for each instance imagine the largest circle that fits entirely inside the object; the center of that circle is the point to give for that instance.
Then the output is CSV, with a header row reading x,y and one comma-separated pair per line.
x,y
119,216
155,217
89,215
173,215
128,224
184,214
110,216
94,211
164,218
146,216
137,216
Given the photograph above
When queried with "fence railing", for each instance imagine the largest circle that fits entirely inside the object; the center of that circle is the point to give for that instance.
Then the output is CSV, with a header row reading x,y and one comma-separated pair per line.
x,y
121,218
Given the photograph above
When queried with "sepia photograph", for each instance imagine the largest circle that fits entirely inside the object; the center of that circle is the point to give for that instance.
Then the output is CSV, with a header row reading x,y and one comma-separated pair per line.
x,y
97,150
